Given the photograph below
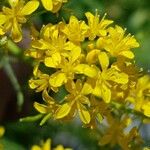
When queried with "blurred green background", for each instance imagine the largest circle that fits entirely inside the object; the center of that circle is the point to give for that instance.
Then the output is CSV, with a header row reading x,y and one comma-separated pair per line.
x,y
131,14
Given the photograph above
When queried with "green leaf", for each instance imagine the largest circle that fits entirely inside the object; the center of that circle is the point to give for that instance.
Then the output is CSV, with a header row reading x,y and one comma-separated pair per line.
x,y
11,145
45,119
31,118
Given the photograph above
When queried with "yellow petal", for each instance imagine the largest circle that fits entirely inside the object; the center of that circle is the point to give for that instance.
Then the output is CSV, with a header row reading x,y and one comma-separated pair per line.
x,y
40,44
92,56
86,70
75,50
70,86
35,147
40,108
78,85
56,6
16,31
47,145
56,80
32,84
90,17
132,42
127,54
63,111
102,32
2,131
97,91
2,31
87,89
75,53
47,98
53,61
105,22
33,53
121,78
106,93
47,4
146,108
30,7
59,147
103,60
2,19
84,114
85,100
13,3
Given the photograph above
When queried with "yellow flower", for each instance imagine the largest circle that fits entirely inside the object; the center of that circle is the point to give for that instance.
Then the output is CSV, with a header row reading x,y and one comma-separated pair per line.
x,y
117,44
116,134
50,47
47,146
12,18
50,104
105,77
75,30
53,5
132,140
97,27
40,82
140,95
48,109
146,108
66,68
2,131
76,101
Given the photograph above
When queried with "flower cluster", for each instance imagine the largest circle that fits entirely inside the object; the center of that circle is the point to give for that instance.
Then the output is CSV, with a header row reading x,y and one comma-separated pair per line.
x,y
93,63
47,146
13,16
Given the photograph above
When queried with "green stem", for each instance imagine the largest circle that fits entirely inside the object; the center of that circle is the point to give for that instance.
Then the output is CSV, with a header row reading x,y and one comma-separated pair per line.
x,y
10,73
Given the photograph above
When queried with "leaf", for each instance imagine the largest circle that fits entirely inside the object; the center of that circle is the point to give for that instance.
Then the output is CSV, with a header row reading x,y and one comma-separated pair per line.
x,y
31,118
11,145
45,119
